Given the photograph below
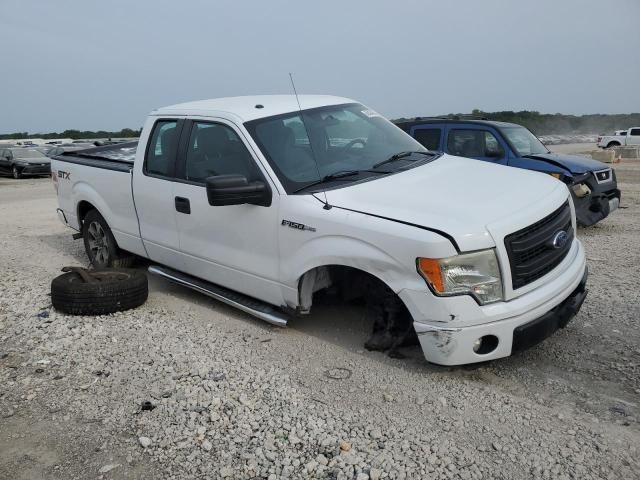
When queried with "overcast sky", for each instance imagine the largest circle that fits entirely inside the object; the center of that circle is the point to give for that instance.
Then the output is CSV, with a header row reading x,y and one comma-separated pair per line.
x,y
105,64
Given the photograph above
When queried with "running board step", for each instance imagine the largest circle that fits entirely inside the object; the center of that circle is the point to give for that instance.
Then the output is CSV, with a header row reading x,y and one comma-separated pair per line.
x,y
254,307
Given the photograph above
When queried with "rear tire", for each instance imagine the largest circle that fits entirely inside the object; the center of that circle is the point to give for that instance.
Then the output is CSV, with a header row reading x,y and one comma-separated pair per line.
x,y
115,290
16,173
613,144
100,244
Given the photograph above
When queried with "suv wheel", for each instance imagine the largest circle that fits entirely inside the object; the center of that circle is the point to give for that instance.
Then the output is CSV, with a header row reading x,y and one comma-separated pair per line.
x,y
16,172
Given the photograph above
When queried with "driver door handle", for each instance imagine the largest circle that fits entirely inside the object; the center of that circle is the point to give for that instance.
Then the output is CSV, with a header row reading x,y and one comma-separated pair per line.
x,y
183,205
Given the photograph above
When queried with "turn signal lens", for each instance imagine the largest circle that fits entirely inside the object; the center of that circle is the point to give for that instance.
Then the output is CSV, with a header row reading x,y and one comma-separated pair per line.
x,y
432,273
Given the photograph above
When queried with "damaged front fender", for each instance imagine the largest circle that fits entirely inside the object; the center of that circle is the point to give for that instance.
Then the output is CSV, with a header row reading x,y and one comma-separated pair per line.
x,y
593,206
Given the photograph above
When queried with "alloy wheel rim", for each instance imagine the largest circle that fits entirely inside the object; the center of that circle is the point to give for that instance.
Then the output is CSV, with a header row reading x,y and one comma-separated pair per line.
x,y
98,243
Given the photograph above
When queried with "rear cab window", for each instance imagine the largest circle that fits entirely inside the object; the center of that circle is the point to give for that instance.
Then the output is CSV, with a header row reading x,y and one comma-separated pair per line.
x,y
161,149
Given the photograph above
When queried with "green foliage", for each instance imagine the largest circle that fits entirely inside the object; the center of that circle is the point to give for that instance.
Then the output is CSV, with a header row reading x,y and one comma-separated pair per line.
x,y
74,134
555,123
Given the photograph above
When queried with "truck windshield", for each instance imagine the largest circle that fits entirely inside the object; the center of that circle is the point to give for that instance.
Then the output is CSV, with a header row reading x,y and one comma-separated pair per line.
x,y
523,141
336,138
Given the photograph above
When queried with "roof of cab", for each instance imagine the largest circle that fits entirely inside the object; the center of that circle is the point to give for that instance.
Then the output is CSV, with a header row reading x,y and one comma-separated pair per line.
x,y
247,108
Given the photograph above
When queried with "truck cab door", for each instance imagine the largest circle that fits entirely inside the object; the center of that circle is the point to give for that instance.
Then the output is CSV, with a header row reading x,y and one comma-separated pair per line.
x,y
633,136
153,185
235,246
474,141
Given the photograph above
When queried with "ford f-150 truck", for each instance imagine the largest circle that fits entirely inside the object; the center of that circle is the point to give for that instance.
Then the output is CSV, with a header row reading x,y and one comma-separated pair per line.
x,y
260,202
620,138
592,183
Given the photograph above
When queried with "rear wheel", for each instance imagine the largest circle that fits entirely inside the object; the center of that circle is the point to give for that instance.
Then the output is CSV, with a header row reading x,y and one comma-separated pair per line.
x,y
16,172
613,144
100,245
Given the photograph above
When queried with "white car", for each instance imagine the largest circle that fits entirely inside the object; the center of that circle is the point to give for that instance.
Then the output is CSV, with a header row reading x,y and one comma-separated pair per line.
x,y
620,138
260,204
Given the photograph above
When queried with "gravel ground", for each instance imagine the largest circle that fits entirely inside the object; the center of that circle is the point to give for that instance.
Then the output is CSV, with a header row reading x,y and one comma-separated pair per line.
x,y
236,398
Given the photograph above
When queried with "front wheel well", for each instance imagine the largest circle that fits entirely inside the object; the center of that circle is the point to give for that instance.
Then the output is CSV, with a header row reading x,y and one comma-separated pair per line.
x,y
344,283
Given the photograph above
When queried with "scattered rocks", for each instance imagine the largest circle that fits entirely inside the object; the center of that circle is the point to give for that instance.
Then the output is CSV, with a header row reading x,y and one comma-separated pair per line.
x,y
145,442
229,405
108,468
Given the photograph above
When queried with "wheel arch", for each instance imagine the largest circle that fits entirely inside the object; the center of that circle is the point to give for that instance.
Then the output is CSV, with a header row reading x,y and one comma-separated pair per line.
x,y
351,281
84,207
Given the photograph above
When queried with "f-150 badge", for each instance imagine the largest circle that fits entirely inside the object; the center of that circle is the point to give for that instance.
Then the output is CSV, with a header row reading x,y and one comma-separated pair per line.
x,y
297,226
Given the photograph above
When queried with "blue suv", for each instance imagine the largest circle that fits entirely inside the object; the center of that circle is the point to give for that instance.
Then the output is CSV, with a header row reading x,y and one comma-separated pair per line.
x,y
592,184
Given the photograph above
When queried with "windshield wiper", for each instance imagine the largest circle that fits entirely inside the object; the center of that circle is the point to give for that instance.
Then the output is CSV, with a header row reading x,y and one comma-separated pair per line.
x,y
339,175
400,155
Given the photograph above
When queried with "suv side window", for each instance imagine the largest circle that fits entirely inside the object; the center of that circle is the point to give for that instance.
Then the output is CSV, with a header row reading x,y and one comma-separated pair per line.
x,y
216,149
161,150
429,137
474,143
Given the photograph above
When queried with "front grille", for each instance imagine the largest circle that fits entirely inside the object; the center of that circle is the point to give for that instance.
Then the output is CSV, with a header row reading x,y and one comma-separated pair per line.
x,y
532,253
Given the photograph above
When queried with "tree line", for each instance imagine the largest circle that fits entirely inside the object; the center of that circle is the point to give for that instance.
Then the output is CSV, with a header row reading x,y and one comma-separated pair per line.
x,y
538,123
554,123
74,134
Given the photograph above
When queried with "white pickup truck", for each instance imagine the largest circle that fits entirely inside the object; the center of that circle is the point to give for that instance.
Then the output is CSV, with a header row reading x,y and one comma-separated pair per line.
x,y
620,138
261,202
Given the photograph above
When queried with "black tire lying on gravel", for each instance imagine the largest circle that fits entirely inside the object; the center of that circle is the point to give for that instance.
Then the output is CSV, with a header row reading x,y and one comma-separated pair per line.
x,y
114,290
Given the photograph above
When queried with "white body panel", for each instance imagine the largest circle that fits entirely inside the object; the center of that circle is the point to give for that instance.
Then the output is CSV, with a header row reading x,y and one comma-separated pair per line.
x,y
381,226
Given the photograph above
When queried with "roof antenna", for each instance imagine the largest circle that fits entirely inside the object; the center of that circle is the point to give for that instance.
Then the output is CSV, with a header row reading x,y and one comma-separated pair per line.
x,y
304,124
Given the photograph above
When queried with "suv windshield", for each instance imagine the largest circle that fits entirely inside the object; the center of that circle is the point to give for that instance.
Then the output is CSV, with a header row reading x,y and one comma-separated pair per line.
x,y
523,141
343,138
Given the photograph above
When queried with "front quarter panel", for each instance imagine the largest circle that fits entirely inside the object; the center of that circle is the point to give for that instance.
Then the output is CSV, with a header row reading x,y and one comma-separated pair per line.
x,y
311,236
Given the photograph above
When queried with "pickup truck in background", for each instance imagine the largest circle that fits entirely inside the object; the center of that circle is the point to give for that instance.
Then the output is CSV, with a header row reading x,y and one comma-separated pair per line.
x,y
620,138
592,184
260,202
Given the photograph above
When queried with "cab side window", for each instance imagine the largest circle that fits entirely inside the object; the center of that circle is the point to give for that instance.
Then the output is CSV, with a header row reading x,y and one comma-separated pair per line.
x,y
162,149
634,132
474,143
216,149
429,137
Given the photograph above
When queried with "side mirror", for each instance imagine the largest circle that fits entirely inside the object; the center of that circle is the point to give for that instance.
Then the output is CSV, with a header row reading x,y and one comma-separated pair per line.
x,y
494,153
236,190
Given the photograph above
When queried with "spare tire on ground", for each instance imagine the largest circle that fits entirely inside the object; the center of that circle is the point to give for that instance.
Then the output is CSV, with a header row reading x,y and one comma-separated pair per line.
x,y
97,292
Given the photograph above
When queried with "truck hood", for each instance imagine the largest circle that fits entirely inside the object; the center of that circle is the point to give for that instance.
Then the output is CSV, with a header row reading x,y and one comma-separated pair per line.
x,y
457,197
574,163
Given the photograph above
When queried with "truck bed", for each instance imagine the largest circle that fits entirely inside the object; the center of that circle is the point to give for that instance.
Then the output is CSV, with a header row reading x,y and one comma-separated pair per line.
x,y
118,157
100,178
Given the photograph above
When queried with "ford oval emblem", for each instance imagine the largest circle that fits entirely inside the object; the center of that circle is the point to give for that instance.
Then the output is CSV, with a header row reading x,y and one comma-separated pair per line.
x,y
560,239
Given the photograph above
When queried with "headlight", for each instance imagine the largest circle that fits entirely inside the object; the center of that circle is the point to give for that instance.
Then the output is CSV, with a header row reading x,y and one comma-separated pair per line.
x,y
476,274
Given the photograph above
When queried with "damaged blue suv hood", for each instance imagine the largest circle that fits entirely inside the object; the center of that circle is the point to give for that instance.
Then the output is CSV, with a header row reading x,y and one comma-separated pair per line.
x,y
574,163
